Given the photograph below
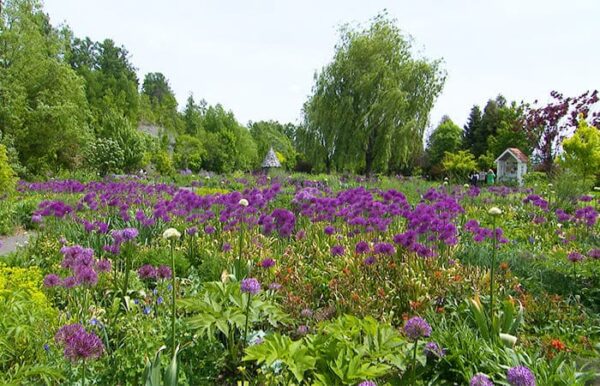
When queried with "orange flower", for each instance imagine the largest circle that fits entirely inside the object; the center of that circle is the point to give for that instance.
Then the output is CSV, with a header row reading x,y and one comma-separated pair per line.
x,y
440,310
414,305
381,292
557,345
437,274
355,296
457,278
346,271
504,266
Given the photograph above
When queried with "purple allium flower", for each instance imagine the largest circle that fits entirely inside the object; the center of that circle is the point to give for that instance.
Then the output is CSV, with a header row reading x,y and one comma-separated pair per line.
x,y
36,219
147,271
594,253
51,280
369,260
163,272
302,330
69,282
226,247
362,247
79,344
329,230
147,310
520,376
267,263
417,328
103,265
193,230
250,285
384,249
306,313
575,257
433,350
337,250
159,300
275,286
209,229
367,383
480,379
86,275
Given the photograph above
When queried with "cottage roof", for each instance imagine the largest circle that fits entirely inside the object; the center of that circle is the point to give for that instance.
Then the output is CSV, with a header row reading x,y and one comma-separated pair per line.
x,y
516,153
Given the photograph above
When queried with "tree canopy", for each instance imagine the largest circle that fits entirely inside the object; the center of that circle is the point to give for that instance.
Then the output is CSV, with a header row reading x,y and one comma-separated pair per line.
x,y
370,105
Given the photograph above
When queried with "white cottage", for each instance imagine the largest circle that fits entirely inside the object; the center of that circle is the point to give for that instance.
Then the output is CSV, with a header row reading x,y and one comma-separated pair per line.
x,y
511,165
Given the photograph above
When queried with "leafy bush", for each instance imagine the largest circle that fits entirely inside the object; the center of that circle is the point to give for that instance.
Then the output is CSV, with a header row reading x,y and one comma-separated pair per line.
x,y
8,178
345,351
27,325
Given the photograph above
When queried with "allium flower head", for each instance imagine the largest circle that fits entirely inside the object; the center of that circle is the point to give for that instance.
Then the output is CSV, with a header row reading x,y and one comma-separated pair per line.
x,y
267,263
417,328
243,202
103,265
306,313
495,211
163,272
250,285
367,383
575,257
51,280
337,250
480,379
171,234
433,350
147,271
520,376
79,344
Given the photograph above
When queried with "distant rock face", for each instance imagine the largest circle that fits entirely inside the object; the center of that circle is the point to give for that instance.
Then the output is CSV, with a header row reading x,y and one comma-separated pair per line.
x,y
150,129
271,160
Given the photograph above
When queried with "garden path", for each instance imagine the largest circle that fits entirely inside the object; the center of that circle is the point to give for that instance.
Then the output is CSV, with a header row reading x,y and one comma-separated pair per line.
x,y
9,244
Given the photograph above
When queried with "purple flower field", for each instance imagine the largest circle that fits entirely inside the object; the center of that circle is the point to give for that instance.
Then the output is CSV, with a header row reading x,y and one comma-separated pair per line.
x,y
328,268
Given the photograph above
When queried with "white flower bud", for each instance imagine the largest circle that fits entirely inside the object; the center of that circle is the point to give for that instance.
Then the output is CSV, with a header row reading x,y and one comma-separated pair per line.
x,y
243,202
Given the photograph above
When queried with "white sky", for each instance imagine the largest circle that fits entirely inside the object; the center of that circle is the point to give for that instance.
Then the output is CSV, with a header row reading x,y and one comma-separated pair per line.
x,y
258,58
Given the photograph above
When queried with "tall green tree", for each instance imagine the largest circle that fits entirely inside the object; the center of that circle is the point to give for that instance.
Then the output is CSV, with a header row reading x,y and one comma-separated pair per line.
x,y
582,151
445,138
43,108
192,116
370,105
162,101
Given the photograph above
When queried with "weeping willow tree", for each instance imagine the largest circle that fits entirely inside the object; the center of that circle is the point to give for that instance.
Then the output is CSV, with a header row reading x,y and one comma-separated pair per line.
x,y
369,107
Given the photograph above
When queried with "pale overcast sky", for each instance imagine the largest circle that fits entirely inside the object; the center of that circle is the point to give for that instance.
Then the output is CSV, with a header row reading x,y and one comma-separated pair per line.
x,y
258,58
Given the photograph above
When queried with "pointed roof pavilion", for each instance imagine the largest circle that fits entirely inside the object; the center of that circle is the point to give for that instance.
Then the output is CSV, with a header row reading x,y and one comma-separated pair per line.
x,y
271,160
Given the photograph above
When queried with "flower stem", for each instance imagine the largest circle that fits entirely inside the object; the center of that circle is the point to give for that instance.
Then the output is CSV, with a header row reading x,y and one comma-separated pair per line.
x,y
492,269
173,296
83,373
247,317
238,270
414,362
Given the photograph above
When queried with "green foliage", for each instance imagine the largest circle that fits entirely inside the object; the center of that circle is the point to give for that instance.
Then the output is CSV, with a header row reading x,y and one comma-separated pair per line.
x,y
582,151
487,134
459,165
8,179
106,156
188,153
162,102
344,352
445,138
43,107
221,308
27,322
153,375
372,95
